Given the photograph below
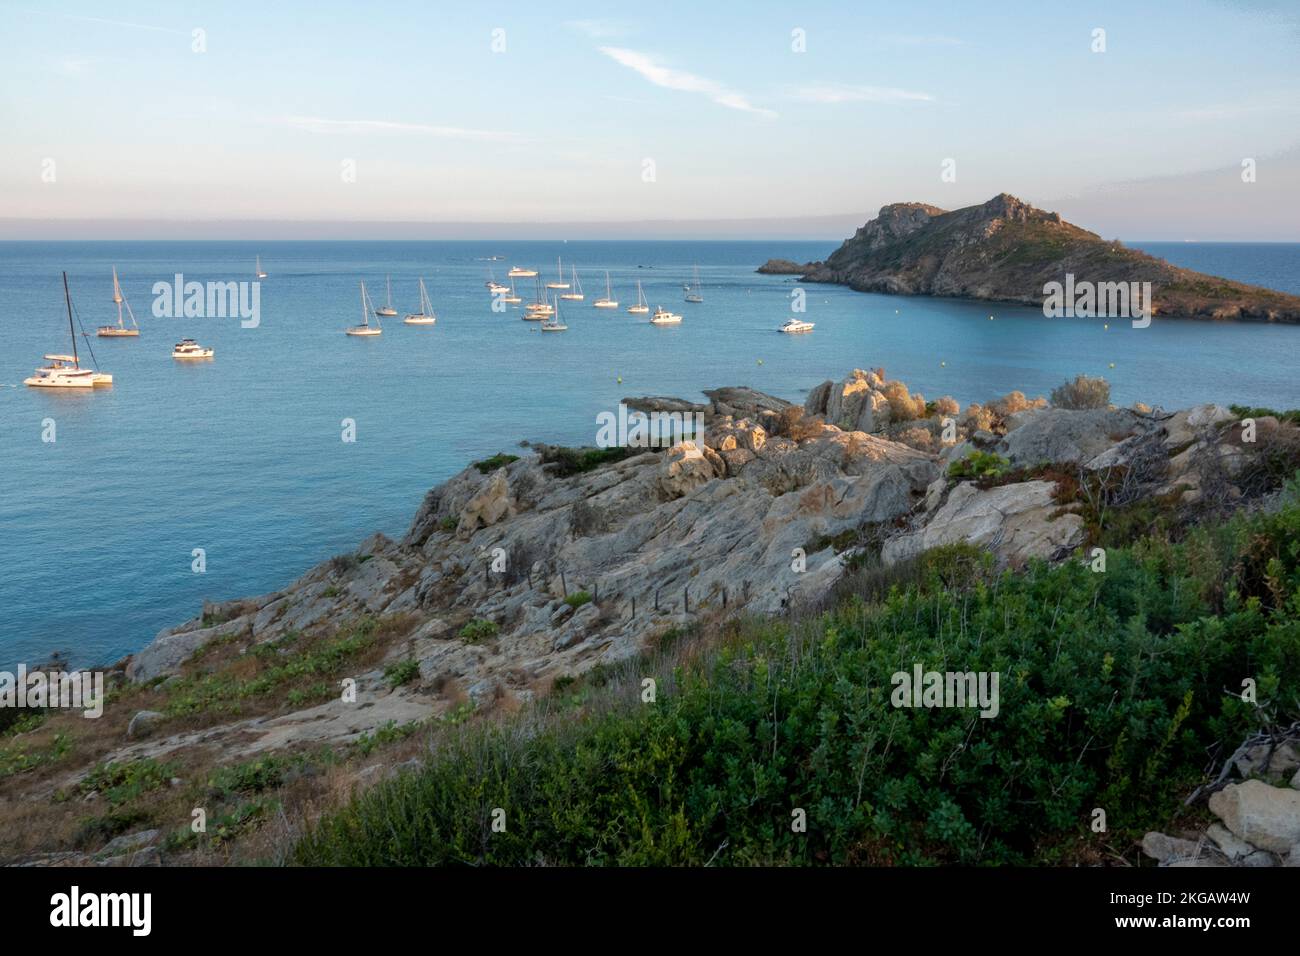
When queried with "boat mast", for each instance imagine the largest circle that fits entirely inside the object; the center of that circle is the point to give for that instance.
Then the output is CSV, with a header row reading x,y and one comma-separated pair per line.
x,y
117,297
67,297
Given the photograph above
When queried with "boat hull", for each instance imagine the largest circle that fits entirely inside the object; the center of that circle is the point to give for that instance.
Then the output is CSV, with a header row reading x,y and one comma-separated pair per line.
x,y
604,304
363,331
419,320
116,333
81,381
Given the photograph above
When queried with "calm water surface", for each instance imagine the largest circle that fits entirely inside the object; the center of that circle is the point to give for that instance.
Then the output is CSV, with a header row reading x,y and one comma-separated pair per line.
x,y
242,456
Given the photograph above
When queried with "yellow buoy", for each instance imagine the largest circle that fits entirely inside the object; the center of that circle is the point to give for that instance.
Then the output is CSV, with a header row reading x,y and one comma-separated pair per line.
x,y
1112,364
620,380
760,361
943,364
1106,325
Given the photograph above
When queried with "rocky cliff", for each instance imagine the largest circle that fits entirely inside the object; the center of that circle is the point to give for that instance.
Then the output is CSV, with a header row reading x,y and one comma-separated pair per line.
x,y
1006,250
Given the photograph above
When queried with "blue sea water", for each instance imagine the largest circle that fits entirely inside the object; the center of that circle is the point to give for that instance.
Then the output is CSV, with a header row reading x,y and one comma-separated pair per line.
x,y
242,456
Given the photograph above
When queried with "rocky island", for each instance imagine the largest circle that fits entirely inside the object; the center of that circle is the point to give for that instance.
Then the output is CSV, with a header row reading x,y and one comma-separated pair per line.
x,y
597,614
1006,250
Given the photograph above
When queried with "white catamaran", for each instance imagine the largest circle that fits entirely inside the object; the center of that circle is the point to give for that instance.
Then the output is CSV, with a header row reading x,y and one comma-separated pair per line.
x,y
65,371
365,328
425,316
388,309
119,331
608,301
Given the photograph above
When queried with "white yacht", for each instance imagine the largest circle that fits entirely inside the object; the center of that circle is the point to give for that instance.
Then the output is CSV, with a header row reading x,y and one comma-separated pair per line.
x,y
575,295
519,273
793,325
695,293
258,269
663,317
553,324
425,316
607,301
119,331
365,328
388,309
559,282
641,307
65,371
189,349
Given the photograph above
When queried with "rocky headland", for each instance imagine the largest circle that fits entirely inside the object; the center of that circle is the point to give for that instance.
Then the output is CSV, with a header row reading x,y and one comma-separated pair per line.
x,y
519,574
1006,250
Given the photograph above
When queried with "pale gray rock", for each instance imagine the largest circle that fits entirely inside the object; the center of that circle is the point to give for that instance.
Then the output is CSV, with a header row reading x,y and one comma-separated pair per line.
x,y
1167,849
128,843
1265,816
169,650
1068,436
1015,522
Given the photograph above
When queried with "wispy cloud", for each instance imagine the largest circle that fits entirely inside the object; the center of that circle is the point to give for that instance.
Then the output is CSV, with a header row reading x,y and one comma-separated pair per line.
x,y
599,29
912,39
103,20
838,93
317,124
672,79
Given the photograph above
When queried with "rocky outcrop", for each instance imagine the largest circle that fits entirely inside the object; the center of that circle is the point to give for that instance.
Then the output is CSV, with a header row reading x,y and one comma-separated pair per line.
x,y
785,267
1006,250
1016,522
750,515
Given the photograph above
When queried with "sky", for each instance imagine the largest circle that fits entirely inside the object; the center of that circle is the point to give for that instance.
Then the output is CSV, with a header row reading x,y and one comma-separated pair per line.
x,y
119,120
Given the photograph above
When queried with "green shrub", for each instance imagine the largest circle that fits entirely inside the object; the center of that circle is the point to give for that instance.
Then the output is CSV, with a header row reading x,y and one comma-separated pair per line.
x,y
122,782
578,599
1111,693
573,461
401,672
499,460
478,630
979,464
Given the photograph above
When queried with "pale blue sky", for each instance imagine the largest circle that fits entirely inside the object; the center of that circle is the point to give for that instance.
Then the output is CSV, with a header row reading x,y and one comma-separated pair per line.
x,y
556,128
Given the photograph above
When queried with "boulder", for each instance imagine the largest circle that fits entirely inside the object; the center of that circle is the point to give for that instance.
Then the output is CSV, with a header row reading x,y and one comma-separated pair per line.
x,y
1265,816
142,723
1274,764
128,843
684,469
169,650
1167,849
1068,436
1014,521
487,507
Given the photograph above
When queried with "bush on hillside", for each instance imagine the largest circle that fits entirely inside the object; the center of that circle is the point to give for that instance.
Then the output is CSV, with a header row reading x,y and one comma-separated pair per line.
x,y
1111,694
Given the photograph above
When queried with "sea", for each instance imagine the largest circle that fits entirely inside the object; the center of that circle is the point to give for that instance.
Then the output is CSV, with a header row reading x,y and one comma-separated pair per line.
x,y
108,499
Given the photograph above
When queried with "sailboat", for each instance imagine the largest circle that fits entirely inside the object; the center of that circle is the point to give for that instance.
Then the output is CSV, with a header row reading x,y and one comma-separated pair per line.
x,y
517,272
258,270
540,309
641,307
65,371
553,324
697,295
493,286
425,316
608,302
513,298
388,309
119,331
576,295
365,328
559,282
